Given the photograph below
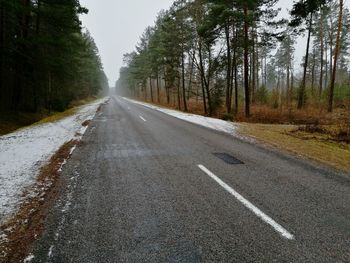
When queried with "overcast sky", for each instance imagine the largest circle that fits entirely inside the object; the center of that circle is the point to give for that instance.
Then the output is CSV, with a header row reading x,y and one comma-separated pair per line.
x,y
116,26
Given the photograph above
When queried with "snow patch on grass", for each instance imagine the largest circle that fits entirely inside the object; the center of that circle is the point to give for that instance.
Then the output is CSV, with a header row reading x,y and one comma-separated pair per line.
x,y
24,152
212,123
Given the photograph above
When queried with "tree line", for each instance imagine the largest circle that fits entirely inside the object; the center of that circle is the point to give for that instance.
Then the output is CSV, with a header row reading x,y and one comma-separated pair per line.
x,y
236,53
46,60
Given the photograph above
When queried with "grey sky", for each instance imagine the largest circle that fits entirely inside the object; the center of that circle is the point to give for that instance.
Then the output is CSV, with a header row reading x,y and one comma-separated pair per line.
x,y
116,26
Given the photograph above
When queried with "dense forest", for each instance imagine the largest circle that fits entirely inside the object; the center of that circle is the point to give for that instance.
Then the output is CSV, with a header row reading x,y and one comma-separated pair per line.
x,y
46,60
231,56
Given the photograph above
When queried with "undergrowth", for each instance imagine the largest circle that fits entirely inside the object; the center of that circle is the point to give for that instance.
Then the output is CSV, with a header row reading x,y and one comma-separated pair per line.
x,y
11,121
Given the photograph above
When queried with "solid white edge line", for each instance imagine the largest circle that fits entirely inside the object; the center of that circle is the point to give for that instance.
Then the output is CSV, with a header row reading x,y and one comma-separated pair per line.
x,y
142,118
284,233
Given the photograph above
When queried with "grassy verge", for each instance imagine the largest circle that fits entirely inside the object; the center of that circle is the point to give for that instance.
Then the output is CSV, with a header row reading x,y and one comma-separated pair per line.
x,y
11,122
317,146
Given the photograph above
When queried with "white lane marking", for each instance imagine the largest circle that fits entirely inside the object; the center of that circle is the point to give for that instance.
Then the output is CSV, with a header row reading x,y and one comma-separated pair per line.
x,y
284,233
142,118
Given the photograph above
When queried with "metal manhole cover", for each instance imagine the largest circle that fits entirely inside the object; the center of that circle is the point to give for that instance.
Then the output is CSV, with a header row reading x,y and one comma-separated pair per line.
x,y
229,159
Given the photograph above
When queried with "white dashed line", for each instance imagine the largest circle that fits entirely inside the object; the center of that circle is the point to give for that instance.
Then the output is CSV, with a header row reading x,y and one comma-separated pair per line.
x,y
142,118
284,233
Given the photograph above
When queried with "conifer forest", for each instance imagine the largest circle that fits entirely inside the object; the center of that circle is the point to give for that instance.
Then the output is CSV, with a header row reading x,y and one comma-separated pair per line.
x,y
228,58
46,59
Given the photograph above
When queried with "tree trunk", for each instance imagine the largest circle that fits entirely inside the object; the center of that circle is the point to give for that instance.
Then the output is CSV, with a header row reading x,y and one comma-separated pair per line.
x,y
191,76
49,92
3,93
167,91
145,90
178,93
336,56
313,73
38,17
262,70
197,93
246,63
326,65
183,80
202,76
234,69
288,84
301,97
158,89
253,67
207,83
24,21
151,88
265,73
235,75
278,87
257,63
292,86
322,54
330,50
228,69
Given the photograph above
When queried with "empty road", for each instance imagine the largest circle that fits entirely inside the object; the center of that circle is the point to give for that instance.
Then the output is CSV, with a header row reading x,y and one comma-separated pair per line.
x,y
147,187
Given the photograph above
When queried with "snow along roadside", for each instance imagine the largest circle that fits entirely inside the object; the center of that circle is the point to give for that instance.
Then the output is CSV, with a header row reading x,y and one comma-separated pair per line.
x,y
24,152
212,123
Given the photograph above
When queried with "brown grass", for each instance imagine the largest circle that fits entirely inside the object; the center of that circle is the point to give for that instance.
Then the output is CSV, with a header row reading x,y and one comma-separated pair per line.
x,y
28,223
309,115
313,114
336,133
315,146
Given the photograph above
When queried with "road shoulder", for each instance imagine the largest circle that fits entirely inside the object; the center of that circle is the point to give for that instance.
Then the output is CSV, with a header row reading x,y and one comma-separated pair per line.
x,y
31,183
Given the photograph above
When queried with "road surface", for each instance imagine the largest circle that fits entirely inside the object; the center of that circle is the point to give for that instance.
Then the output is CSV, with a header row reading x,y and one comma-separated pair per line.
x,y
147,187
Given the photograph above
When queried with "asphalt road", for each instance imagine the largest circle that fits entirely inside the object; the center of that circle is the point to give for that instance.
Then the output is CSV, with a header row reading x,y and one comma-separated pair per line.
x,y
147,187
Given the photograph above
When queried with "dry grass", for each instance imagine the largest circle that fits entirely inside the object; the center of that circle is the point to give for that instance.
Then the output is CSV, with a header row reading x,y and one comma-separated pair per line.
x,y
193,106
28,223
335,133
313,114
310,115
315,146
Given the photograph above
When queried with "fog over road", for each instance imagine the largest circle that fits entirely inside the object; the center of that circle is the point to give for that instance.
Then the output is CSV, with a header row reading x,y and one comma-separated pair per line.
x,y
147,187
